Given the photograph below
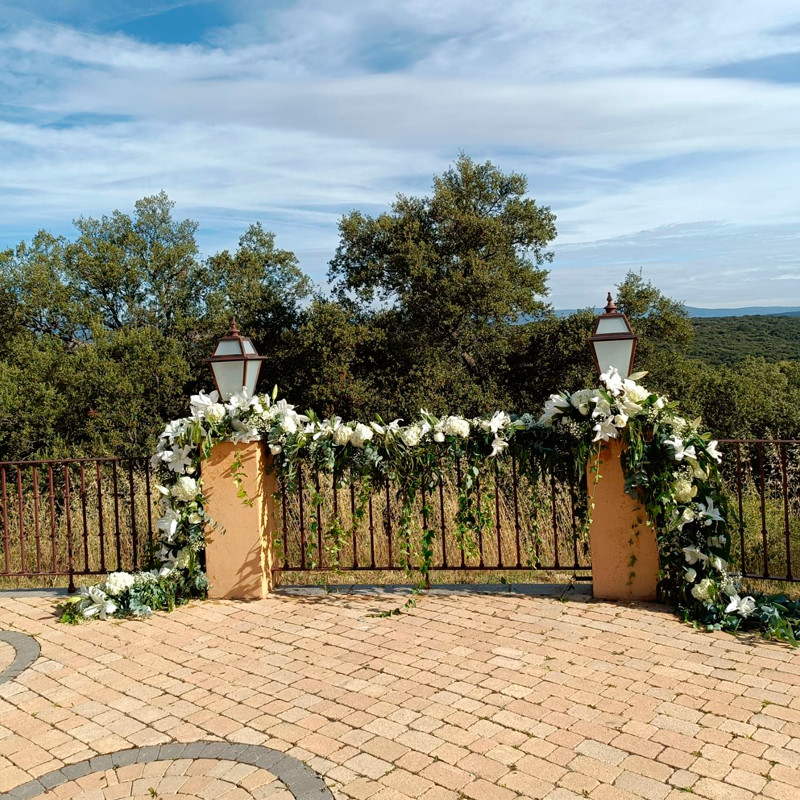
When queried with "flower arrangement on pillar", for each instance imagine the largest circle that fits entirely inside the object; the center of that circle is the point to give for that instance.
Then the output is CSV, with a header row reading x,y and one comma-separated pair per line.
x,y
670,466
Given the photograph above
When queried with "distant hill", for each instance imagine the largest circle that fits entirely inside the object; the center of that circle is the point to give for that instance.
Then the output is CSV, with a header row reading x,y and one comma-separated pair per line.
x,y
730,339
779,311
747,311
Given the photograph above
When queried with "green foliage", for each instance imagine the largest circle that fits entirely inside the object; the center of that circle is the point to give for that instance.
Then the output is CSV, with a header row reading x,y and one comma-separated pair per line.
x,y
439,303
454,271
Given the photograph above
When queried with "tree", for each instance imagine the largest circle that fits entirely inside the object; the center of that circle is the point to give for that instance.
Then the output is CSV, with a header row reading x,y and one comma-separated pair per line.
x,y
106,334
455,270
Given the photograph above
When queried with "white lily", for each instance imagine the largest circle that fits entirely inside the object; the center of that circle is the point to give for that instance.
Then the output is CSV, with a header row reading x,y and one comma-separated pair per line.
x,y
709,513
612,381
96,603
178,459
605,430
555,405
201,404
500,419
713,452
679,450
168,524
693,555
744,606
498,445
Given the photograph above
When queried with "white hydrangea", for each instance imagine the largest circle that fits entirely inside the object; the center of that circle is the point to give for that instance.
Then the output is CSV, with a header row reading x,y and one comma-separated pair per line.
x,y
582,400
185,489
118,582
704,590
456,426
361,435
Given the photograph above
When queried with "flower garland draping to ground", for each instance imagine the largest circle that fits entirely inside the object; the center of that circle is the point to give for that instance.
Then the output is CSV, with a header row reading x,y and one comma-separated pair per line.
x,y
670,465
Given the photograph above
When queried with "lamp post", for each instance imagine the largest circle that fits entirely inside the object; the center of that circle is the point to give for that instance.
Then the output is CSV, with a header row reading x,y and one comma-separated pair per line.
x,y
613,341
235,363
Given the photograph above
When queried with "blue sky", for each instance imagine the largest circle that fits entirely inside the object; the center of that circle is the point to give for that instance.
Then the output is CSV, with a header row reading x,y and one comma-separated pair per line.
x,y
664,136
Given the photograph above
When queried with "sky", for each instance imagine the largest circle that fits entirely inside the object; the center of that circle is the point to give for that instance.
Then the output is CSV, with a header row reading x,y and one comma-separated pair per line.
x,y
664,136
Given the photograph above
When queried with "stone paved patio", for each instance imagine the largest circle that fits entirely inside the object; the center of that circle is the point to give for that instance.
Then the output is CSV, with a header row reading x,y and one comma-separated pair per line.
x,y
466,696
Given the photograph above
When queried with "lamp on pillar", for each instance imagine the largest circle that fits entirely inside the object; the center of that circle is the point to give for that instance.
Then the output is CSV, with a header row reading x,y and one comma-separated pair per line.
x,y
613,341
235,363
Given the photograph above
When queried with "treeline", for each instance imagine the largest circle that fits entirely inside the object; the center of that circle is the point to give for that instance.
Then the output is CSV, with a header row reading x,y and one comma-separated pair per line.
x,y
728,340
104,335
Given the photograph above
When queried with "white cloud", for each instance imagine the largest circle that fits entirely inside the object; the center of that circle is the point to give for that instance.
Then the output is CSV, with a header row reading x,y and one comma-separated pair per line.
x,y
300,113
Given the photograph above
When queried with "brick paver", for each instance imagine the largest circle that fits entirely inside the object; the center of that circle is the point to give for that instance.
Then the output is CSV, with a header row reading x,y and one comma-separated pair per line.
x,y
464,696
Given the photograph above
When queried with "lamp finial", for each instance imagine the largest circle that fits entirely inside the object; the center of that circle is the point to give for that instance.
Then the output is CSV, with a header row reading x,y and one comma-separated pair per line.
x,y
610,307
234,331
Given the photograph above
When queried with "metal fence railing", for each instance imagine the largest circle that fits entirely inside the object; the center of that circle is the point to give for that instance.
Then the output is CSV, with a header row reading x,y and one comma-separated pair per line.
x,y
90,516
85,516
328,525
763,480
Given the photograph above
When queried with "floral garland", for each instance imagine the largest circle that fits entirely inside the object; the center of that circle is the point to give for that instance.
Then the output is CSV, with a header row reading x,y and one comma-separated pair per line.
x,y
670,465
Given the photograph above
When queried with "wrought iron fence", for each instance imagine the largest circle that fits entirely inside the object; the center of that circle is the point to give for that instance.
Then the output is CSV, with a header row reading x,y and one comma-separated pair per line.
x,y
91,516
85,516
327,525
763,479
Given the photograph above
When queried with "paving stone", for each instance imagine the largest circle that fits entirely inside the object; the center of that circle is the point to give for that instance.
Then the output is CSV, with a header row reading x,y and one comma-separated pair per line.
x,y
487,695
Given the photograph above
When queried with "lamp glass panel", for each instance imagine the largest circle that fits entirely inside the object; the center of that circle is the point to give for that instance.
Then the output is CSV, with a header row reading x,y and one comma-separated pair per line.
x,y
248,347
228,348
612,325
613,353
229,376
253,368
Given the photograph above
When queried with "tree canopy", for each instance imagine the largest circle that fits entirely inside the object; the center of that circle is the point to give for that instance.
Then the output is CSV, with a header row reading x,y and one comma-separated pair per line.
x,y
440,302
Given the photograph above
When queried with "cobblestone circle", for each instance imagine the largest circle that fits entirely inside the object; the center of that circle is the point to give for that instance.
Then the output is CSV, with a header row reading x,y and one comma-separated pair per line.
x,y
27,651
177,770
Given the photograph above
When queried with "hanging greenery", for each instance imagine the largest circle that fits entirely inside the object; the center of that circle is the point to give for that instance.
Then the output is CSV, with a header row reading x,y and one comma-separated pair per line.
x,y
671,467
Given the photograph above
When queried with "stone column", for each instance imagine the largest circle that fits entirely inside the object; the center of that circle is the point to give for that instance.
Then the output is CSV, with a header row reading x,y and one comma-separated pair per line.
x,y
239,551
624,548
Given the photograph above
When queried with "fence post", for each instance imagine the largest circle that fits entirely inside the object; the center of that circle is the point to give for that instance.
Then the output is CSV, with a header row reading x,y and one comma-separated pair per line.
x,y
239,550
624,548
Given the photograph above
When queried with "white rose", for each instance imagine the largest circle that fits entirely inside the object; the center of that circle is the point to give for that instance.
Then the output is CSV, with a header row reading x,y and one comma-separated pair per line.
x,y
342,435
215,412
361,435
635,393
185,489
275,449
118,582
438,436
689,574
195,518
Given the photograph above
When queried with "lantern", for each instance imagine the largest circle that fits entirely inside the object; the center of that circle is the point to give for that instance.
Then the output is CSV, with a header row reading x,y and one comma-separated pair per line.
x,y
613,341
235,363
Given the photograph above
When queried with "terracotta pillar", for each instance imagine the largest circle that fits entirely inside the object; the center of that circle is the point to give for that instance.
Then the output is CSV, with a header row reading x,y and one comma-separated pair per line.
x,y
239,552
624,548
